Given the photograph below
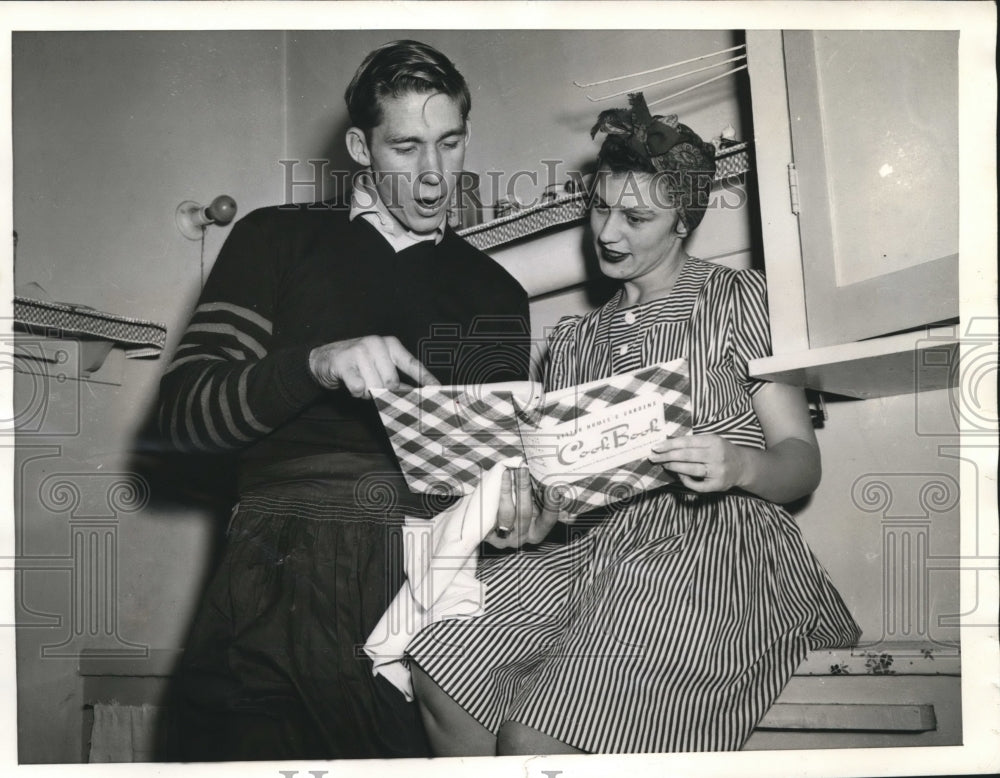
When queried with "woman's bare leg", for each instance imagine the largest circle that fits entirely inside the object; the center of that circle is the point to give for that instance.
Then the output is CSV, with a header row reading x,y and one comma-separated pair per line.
x,y
516,738
451,731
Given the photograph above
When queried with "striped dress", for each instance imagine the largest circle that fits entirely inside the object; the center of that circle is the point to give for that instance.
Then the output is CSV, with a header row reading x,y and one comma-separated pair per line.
x,y
677,619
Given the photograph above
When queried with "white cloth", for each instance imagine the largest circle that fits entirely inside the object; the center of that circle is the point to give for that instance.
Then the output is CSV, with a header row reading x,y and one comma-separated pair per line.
x,y
124,733
440,563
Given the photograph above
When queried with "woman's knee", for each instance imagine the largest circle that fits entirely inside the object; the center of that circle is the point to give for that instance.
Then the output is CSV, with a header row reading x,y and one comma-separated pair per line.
x,y
452,731
428,694
514,738
421,681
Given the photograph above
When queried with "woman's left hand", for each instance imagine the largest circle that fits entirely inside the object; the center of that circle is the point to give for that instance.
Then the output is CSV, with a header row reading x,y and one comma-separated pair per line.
x,y
703,463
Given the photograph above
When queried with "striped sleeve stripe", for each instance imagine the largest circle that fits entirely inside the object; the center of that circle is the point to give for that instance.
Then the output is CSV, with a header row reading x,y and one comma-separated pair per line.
x,y
245,405
227,417
239,319
189,352
213,396
192,358
215,329
211,378
206,414
188,421
252,317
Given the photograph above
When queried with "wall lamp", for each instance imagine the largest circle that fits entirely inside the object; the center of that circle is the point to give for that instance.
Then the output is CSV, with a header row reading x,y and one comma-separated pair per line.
x,y
192,218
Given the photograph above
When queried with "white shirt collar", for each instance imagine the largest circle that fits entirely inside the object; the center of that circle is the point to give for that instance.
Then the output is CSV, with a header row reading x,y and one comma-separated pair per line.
x,y
365,202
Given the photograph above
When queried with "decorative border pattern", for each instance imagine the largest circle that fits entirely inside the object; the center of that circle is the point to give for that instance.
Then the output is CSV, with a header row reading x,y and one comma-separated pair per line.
x,y
144,338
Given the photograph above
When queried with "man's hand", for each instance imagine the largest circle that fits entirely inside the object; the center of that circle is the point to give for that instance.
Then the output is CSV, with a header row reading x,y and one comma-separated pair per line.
x,y
519,520
363,364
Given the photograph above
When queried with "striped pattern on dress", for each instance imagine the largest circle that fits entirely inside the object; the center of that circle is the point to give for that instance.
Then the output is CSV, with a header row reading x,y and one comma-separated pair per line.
x,y
674,623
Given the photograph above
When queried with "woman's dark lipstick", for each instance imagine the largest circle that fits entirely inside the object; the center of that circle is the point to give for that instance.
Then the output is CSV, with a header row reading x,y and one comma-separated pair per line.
x,y
609,255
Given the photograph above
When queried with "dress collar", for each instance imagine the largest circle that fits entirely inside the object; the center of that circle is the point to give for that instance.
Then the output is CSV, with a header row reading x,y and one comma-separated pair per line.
x,y
678,304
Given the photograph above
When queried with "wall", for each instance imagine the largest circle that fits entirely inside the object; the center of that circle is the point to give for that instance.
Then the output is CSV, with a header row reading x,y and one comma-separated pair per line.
x,y
113,130
885,518
525,108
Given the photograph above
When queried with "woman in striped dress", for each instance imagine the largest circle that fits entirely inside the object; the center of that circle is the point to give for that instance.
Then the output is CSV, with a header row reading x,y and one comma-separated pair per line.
x,y
676,620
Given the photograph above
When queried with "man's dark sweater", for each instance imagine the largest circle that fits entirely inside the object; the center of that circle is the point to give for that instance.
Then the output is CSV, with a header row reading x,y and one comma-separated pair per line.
x,y
271,667
289,279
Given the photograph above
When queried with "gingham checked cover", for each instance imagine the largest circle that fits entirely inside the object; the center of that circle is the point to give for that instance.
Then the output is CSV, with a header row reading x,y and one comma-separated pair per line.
x,y
445,436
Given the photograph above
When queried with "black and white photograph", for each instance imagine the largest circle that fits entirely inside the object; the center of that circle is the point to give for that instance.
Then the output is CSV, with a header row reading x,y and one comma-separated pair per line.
x,y
538,389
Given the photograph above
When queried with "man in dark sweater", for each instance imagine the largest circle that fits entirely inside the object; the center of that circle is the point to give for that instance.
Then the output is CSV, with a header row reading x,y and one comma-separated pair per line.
x,y
305,310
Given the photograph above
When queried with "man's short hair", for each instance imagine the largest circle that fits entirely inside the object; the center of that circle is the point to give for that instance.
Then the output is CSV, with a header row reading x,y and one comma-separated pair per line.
x,y
395,69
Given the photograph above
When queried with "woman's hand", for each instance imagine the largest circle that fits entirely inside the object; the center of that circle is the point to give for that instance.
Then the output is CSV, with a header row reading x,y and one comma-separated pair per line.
x,y
703,463
519,519
787,469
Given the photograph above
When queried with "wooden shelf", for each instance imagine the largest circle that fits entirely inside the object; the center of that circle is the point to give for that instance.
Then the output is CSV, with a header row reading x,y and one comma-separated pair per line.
x,y
854,717
139,337
880,367
76,342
